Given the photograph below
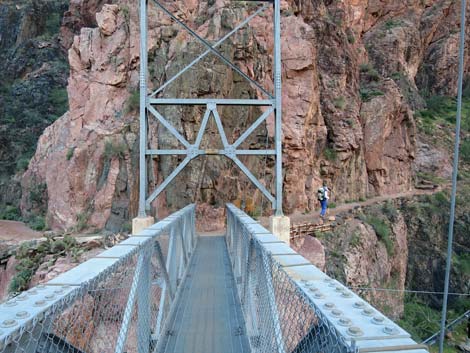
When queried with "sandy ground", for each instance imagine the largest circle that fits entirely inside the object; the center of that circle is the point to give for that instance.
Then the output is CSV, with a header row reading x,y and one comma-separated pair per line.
x,y
12,230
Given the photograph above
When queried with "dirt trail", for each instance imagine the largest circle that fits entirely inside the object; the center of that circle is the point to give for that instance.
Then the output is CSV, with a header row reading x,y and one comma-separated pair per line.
x,y
314,217
12,230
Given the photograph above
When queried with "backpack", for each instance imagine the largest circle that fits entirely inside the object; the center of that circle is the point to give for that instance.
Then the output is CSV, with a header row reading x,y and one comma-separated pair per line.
x,y
321,194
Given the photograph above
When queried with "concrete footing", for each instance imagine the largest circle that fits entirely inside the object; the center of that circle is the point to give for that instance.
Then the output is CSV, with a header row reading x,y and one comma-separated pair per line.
x,y
280,227
140,223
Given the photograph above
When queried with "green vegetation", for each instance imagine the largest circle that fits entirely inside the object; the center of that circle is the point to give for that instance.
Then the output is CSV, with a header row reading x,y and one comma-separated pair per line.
x,y
462,263
368,94
113,149
355,240
390,210
422,321
10,213
370,72
441,111
465,150
69,154
332,205
330,154
339,102
133,102
37,223
383,231
82,220
31,256
389,24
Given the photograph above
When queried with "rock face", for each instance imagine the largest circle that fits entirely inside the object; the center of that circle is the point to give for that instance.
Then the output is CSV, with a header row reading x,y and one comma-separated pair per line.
x,y
32,89
352,72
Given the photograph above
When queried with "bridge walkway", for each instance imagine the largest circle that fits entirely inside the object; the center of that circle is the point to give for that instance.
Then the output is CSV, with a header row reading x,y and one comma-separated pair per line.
x,y
208,318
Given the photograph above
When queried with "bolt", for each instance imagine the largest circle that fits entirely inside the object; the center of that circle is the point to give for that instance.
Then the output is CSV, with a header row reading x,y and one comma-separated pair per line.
x,y
346,294
327,280
313,289
22,314
336,312
339,289
8,323
344,321
41,287
40,303
332,284
11,302
49,296
359,305
355,331
22,297
367,312
329,305
378,320
390,330
318,295
308,284
32,292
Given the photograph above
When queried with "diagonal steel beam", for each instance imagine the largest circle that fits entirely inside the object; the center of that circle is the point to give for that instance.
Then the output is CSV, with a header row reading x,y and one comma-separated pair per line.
x,y
254,180
167,124
220,127
200,133
167,181
253,127
207,52
214,51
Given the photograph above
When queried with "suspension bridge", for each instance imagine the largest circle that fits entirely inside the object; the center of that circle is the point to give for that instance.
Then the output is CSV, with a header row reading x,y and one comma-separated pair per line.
x,y
168,289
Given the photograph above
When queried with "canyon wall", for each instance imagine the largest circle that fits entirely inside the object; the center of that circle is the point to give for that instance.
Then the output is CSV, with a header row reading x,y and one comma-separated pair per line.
x,y
353,74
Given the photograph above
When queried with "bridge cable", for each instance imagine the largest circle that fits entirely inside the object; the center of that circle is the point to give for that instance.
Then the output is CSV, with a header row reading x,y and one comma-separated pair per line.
x,y
454,174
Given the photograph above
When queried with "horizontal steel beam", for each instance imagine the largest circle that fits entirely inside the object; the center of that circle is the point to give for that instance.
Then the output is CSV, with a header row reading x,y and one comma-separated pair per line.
x,y
202,101
211,151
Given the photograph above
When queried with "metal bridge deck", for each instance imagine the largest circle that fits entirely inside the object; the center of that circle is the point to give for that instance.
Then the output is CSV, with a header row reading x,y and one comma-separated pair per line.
x,y
208,318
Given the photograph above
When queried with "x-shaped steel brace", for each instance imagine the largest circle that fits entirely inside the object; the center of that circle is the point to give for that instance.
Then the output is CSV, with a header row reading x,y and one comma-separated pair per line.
x,y
211,49
193,150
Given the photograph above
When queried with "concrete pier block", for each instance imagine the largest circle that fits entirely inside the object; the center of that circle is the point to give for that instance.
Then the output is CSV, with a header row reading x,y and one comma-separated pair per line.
x,y
140,223
280,227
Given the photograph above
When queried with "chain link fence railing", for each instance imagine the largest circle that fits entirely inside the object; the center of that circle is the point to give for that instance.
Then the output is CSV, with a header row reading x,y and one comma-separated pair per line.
x,y
118,301
290,306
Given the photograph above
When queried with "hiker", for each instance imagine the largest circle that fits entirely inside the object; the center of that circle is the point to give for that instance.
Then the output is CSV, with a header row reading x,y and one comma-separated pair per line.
x,y
323,196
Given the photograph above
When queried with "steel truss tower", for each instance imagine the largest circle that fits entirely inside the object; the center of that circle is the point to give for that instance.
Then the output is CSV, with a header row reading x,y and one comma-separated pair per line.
x,y
149,108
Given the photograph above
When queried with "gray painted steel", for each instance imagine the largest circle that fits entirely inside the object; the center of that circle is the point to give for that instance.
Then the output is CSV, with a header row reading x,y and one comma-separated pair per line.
x,y
208,318
463,10
149,104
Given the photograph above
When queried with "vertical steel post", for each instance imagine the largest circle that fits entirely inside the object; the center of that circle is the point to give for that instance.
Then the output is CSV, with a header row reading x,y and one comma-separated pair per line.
x,y
278,104
143,108
143,307
454,175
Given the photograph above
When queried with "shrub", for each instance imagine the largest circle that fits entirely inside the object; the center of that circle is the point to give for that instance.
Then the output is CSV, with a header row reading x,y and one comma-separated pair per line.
x,y
419,318
82,220
22,164
339,102
70,152
465,150
332,205
389,210
37,223
133,102
389,24
382,230
369,71
10,213
330,154
369,93
114,149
